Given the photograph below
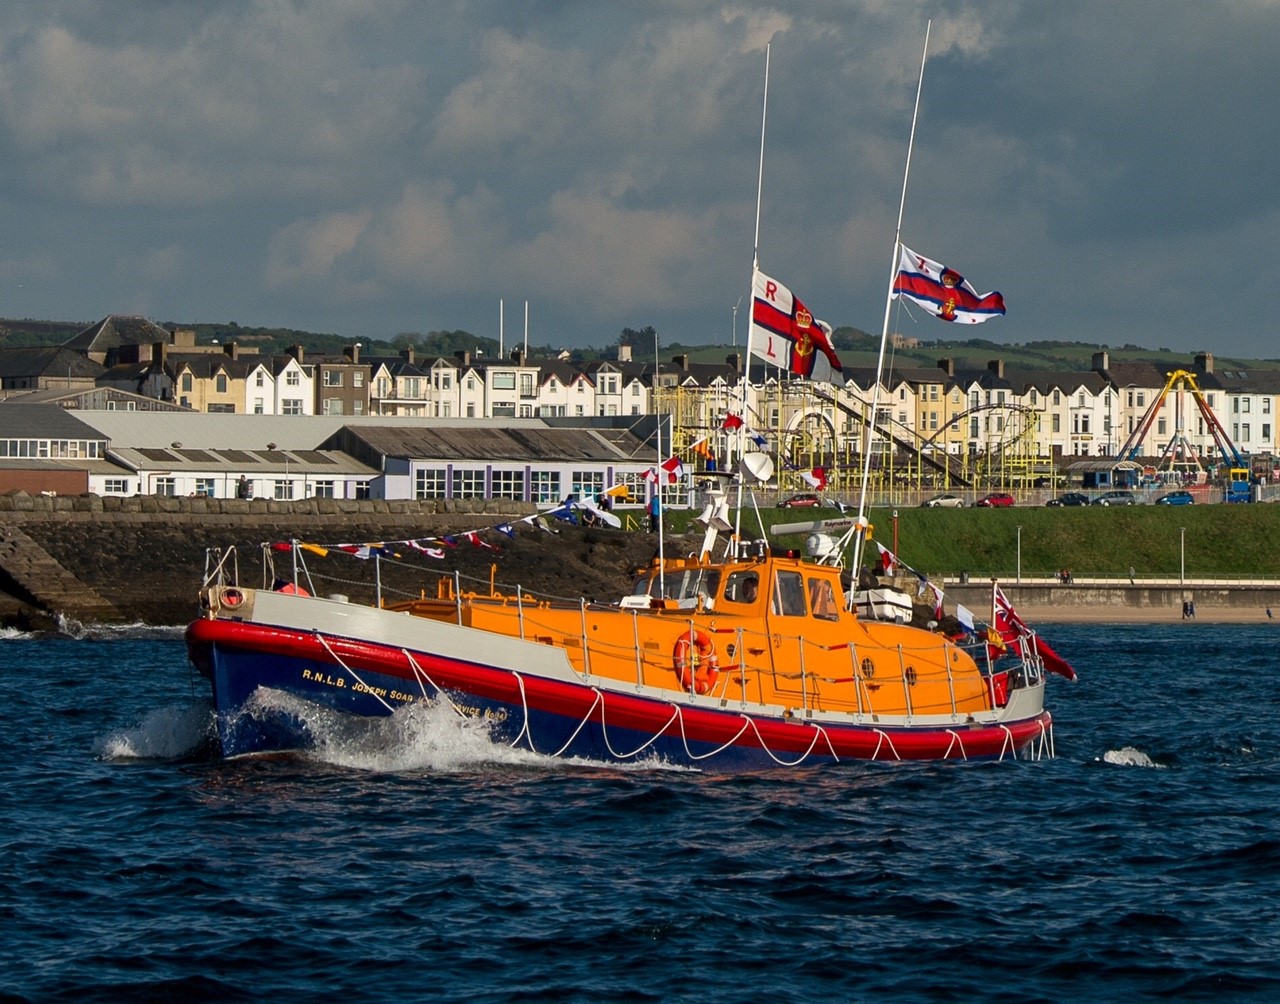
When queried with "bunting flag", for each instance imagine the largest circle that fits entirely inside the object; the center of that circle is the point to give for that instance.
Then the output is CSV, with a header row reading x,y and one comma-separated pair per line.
x,y
474,537
758,439
790,336
672,468
888,560
430,552
817,478
732,421
702,449
507,530
942,291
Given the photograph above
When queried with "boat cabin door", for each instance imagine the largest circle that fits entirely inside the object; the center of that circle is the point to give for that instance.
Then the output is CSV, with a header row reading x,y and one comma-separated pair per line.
x,y
803,618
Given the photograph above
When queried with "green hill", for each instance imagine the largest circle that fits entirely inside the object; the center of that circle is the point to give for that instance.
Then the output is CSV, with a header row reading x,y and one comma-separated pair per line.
x,y
1225,541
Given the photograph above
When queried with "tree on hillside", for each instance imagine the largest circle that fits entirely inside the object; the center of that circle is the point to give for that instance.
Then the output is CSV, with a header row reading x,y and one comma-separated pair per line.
x,y
638,339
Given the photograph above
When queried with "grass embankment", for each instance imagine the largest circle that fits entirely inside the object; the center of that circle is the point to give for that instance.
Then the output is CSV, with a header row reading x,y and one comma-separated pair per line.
x,y
1221,541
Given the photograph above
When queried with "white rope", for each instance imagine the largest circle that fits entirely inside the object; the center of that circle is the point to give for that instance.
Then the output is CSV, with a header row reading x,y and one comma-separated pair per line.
x,y
955,741
420,674
884,738
1008,743
338,659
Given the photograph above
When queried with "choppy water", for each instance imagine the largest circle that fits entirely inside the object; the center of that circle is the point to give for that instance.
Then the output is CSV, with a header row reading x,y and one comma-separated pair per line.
x,y
417,861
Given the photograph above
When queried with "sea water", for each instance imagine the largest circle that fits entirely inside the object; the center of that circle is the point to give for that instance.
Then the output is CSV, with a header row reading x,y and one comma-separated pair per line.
x,y
416,860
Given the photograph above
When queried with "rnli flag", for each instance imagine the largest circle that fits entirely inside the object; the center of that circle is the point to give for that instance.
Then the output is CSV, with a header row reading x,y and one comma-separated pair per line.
x,y
942,291
786,334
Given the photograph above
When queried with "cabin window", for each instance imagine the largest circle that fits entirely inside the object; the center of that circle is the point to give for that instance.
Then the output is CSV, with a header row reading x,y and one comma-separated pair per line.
x,y
788,594
742,587
822,600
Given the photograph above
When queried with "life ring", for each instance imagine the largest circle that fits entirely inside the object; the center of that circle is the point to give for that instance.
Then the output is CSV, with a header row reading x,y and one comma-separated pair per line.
x,y
232,597
695,662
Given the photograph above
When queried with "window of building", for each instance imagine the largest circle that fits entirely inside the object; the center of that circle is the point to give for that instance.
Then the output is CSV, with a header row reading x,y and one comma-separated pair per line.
x,y
1266,434
293,379
282,491
291,406
261,379
259,408
166,486
220,383
1244,433
430,482
360,490
1161,426
116,486
222,409
504,380
471,409
1057,397
412,387
544,486
332,378
508,485
468,483
206,486
357,407
187,383
587,484
357,378
333,406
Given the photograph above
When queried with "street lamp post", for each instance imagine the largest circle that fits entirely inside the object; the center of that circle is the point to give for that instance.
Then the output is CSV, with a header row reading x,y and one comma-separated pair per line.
x,y
895,531
1182,564
287,492
1019,555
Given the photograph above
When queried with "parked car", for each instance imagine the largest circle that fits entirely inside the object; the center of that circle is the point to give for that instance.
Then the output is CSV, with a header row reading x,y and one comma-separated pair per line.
x,y
996,500
1069,498
943,502
806,500
1176,498
1116,498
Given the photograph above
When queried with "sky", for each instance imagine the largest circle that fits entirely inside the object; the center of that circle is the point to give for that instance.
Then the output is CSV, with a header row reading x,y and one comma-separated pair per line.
x,y
368,168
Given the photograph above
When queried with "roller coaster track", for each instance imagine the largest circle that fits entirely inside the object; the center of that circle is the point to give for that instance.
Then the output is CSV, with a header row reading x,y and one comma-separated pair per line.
x,y
954,468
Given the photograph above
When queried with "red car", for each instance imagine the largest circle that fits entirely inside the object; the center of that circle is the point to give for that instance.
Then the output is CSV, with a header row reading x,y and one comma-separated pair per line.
x,y
804,501
996,500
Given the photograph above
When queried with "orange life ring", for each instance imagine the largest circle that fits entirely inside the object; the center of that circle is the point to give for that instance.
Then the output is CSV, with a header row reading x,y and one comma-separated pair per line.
x,y
232,597
695,662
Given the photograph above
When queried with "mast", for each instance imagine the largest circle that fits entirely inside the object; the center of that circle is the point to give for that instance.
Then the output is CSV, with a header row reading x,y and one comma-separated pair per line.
x,y
870,424
751,297
501,351
661,473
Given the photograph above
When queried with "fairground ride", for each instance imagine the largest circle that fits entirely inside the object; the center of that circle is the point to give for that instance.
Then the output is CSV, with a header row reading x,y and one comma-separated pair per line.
x,y
1179,455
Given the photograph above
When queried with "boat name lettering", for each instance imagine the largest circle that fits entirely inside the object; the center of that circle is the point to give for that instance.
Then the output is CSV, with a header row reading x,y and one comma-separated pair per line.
x,y
315,676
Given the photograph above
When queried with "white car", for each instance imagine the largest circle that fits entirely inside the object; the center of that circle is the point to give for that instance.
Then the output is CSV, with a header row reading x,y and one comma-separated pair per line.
x,y
943,502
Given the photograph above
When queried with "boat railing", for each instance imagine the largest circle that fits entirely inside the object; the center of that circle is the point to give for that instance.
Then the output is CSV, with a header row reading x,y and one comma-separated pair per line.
x,y
864,691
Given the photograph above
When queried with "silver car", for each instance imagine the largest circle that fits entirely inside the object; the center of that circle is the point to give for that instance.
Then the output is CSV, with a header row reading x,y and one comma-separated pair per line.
x,y
943,502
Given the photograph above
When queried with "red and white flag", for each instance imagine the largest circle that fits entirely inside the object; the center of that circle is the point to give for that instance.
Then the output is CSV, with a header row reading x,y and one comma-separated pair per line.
x,y
816,478
943,291
785,333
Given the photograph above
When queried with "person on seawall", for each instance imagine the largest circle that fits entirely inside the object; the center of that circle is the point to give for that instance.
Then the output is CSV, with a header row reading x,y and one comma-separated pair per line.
x,y
655,513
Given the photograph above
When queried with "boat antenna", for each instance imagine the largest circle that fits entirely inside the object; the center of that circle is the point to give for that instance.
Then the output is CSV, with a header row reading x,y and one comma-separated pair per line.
x,y
751,300
660,473
869,425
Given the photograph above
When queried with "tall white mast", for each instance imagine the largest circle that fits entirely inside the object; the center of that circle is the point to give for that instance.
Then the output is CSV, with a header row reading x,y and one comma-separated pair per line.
x,y
870,424
526,327
501,350
751,296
